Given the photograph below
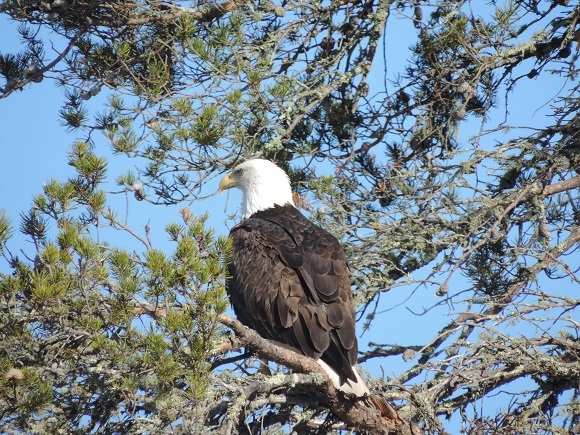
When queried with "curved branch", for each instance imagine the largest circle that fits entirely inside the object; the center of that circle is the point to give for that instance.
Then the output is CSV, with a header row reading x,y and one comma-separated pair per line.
x,y
361,414
569,184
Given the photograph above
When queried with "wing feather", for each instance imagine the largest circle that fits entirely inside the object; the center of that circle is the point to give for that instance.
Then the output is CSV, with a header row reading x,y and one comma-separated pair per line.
x,y
327,287
319,336
336,315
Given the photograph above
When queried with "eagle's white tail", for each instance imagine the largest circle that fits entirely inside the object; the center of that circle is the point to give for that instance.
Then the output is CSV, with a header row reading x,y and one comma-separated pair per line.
x,y
357,388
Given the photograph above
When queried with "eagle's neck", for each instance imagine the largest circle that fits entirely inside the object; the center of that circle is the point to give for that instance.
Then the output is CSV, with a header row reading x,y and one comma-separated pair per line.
x,y
263,195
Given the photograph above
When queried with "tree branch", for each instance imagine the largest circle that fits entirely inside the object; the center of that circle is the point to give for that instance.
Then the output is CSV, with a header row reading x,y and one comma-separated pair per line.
x,y
361,414
40,73
569,184
213,13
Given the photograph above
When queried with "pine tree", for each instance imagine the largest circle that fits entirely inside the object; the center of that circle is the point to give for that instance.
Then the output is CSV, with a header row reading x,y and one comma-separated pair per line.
x,y
398,123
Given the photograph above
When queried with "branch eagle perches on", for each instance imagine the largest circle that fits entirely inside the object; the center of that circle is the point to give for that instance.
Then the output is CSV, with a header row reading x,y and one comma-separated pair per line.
x,y
371,413
360,414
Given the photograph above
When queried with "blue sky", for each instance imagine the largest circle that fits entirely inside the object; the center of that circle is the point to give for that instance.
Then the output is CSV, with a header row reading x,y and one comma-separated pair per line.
x,y
33,143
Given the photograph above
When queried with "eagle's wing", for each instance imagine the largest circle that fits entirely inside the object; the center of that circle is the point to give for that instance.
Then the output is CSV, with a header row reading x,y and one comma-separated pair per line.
x,y
288,280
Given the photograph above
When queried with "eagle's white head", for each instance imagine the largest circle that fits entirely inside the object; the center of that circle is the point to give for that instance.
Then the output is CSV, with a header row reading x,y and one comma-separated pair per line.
x,y
263,185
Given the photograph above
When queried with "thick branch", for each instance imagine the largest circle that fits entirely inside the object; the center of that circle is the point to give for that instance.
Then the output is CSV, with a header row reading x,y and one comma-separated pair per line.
x,y
267,349
356,413
569,184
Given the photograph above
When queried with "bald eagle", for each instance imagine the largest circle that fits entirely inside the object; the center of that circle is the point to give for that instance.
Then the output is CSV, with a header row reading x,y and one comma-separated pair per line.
x,y
288,278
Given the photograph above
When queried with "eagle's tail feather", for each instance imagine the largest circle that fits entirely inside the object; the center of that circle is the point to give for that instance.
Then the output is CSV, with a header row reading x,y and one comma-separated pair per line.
x,y
357,388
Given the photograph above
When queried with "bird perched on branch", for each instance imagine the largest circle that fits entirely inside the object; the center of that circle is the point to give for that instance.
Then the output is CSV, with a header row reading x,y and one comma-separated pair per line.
x,y
288,277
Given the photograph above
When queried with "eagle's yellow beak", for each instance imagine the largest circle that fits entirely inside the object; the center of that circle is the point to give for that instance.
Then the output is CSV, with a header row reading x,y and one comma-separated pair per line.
x,y
226,183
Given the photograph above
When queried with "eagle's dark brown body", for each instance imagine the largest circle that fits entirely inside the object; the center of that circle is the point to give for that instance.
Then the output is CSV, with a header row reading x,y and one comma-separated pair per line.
x,y
288,281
